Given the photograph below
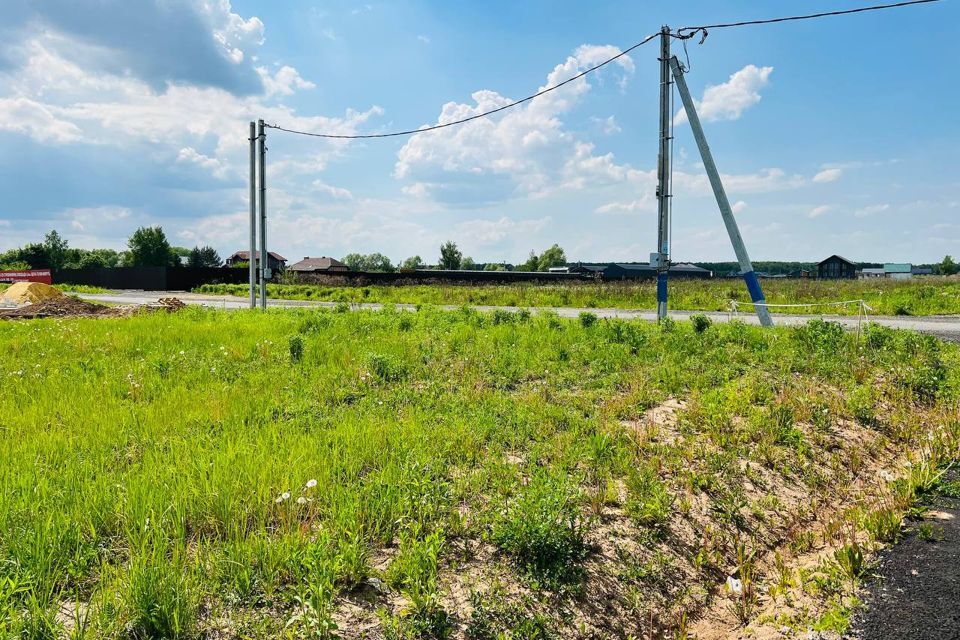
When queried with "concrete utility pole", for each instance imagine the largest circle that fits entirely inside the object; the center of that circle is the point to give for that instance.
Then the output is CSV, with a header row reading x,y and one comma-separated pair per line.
x,y
264,256
661,259
746,267
253,215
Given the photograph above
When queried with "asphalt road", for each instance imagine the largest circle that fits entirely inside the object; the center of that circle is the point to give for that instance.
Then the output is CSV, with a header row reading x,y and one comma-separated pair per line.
x,y
916,592
945,327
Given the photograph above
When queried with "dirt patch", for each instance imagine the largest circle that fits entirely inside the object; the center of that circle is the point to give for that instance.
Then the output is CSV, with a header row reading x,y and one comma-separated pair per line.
x,y
64,306
658,423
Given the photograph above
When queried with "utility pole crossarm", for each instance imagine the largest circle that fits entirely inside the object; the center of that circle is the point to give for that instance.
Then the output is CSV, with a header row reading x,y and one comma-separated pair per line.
x,y
746,267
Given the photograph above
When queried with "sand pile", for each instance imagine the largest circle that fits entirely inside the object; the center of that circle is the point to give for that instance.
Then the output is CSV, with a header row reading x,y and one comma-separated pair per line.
x,y
20,293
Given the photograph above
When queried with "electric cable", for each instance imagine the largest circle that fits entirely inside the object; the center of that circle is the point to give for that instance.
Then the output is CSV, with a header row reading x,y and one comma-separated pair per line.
x,y
475,116
683,34
706,27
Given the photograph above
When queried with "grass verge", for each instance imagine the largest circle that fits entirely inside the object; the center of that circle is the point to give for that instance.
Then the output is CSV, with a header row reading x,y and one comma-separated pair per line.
x,y
315,473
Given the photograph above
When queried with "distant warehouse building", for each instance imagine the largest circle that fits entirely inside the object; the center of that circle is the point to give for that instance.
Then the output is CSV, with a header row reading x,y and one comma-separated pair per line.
x,y
836,267
898,271
636,271
318,265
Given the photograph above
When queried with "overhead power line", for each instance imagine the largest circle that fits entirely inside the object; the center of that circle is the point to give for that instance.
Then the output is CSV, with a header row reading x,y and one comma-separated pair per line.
x,y
692,31
684,33
476,116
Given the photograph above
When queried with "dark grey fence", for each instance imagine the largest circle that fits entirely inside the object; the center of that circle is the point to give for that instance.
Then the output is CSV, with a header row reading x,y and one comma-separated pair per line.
x,y
434,276
150,278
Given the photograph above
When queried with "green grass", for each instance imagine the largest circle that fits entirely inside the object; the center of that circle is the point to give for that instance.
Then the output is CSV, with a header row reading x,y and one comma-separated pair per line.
x,y
926,296
206,473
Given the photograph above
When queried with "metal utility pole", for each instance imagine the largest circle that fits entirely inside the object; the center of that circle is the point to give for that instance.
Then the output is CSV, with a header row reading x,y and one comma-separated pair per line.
x,y
264,256
746,267
661,259
253,215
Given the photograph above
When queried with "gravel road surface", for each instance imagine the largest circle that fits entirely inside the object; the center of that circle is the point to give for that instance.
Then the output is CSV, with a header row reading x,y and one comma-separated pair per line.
x,y
945,327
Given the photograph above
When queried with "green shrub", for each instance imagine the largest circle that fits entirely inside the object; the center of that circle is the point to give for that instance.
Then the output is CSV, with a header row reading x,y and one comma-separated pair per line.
x,y
883,524
386,368
425,619
587,319
494,617
649,502
851,560
161,597
544,531
700,322
414,568
821,335
295,347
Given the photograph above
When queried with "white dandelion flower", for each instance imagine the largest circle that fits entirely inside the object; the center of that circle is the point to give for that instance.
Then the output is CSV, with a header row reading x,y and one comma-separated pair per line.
x,y
311,483
301,500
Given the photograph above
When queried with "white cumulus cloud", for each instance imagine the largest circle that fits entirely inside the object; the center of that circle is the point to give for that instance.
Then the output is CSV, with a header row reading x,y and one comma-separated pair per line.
x,y
522,152
828,175
816,212
871,210
729,100
284,82
39,121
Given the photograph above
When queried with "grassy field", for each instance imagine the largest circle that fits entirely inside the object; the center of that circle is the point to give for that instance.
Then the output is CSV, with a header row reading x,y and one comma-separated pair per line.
x,y
453,474
927,296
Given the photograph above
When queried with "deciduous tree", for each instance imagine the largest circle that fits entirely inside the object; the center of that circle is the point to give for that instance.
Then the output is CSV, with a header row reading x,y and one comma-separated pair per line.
x,y
450,256
149,248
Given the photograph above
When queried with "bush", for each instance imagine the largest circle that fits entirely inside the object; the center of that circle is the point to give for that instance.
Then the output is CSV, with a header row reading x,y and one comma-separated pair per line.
x,y
386,368
296,348
544,531
649,502
161,597
883,525
700,322
587,319
820,335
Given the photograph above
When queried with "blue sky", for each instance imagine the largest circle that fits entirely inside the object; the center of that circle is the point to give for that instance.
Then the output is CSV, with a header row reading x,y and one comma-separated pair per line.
x,y
835,136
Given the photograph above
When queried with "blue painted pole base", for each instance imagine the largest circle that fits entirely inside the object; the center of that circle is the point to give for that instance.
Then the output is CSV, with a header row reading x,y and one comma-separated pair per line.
x,y
756,295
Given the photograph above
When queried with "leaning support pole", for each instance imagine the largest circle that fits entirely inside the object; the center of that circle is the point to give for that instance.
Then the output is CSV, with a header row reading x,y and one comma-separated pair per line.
x,y
253,215
663,177
746,268
264,256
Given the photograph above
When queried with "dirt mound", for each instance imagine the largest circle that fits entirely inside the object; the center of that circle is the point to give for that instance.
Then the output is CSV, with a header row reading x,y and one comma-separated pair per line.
x,y
58,307
29,293
171,304
64,306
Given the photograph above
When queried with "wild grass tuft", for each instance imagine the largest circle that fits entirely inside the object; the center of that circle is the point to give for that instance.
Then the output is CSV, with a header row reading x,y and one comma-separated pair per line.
x,y
543,530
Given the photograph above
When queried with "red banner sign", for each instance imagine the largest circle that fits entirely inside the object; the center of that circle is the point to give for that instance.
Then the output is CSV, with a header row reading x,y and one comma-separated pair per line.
x,y
32,275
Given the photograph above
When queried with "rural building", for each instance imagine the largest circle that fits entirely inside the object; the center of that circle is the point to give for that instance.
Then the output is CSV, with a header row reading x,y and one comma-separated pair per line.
x,y
872,272
836,267
922,271
898,271
275,262
318,265
638,271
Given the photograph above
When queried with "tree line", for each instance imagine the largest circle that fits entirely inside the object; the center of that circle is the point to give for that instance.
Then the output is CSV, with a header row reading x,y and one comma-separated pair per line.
x,y
451,258
146,247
